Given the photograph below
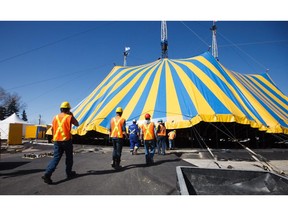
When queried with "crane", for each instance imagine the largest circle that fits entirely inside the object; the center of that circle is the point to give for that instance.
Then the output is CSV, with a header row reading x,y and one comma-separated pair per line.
x,y
214,41
164,40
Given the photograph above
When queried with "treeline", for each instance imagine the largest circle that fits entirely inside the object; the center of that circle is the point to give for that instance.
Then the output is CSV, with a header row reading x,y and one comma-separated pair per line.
x,y
11,103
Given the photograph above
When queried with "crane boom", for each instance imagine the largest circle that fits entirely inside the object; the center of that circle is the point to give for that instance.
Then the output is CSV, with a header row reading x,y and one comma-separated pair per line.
x,y
164,40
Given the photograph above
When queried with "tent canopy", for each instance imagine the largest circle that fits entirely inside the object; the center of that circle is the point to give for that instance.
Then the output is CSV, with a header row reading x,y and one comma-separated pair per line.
x,y
184,92
5,124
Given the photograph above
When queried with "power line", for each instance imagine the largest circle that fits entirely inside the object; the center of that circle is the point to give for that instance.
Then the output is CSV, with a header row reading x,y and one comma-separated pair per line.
x,y
235,45
196,34
56,77
254,43
51,43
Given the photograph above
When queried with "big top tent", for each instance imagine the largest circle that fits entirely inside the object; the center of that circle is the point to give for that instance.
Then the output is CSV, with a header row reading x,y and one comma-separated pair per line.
x,y
183,93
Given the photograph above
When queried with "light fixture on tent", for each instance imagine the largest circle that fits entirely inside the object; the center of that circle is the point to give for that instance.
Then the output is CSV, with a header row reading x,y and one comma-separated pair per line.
x,y
126,52
214,41
164,40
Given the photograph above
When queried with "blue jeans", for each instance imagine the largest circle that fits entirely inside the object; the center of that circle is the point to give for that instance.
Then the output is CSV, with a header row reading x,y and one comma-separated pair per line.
x,y
161,144
117,149
171,144
59,149
149,146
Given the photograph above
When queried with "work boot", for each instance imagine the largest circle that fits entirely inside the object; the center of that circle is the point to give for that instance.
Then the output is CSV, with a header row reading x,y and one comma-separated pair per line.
x,y
73,174
113,163
135,150
47,179
118,163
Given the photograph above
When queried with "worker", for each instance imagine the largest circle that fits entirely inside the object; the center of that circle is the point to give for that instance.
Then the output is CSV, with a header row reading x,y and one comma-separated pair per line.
x,y
134,132
62,138
161,137
147,134
118,135
171,138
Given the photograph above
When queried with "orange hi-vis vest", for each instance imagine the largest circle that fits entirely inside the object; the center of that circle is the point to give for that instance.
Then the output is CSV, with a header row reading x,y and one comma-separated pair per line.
x,y
116,125
162,131
148,131
61,127
172,135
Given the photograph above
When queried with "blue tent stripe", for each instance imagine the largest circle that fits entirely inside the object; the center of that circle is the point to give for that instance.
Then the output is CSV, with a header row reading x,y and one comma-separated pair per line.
x,y
188,109
210,58
160,105
214,102
217,92
270,90
252,91
125,100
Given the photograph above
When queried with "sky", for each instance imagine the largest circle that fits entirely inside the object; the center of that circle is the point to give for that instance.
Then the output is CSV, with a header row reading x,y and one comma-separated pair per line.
x,y
50,61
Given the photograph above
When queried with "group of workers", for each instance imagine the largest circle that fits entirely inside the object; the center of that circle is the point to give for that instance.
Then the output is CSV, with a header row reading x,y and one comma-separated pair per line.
x,y
147,133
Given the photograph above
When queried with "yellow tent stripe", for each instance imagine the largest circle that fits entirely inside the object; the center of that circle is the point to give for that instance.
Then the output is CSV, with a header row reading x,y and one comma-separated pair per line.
x,y
266,116
226,101
201,105
119,96
152,95
231,88
274,107
86,102
172,103
272,87
268,92
134,100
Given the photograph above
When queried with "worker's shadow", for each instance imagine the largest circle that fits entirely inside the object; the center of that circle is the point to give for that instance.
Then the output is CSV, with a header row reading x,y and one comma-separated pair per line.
x,y
120,169
90,172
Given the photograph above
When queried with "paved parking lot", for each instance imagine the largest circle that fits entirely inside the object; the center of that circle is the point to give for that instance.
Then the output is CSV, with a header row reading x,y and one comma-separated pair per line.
x,y
22,176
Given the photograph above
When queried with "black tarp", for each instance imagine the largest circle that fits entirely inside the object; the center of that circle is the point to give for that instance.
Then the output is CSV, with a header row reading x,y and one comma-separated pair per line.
x,y
206,181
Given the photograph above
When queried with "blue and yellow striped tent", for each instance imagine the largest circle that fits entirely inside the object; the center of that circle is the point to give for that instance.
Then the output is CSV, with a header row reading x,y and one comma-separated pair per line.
x,y
184,92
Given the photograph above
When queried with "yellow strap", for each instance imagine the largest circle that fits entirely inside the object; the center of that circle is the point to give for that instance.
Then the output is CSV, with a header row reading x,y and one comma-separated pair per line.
x,y
60,129
116,123
147,131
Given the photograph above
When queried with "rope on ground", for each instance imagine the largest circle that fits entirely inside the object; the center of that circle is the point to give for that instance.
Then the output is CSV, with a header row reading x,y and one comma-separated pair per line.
x,y
207,147
266,165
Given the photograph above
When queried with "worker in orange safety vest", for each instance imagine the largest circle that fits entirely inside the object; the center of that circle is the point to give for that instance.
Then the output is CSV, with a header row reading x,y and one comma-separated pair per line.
x,y
161,137
62,138
147,134
171,138
118,136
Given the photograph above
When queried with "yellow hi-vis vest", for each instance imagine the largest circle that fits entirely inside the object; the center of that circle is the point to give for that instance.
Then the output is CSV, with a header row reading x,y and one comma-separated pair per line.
x,y
116,125
61,127
148,131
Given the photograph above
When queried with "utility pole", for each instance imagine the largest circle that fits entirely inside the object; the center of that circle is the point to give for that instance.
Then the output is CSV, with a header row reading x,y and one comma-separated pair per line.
x,y
39,119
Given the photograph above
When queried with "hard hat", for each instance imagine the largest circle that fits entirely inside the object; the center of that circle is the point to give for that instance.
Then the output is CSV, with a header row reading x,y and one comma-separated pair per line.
x,y
65,105
134,120
119,110
147,116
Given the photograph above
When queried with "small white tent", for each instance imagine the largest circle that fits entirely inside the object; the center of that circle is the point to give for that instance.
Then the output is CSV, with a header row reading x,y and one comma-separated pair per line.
x,y
5,125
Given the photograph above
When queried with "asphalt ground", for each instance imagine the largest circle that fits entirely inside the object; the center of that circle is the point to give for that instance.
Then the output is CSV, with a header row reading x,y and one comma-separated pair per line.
x,y
21,175
23,192
21,168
